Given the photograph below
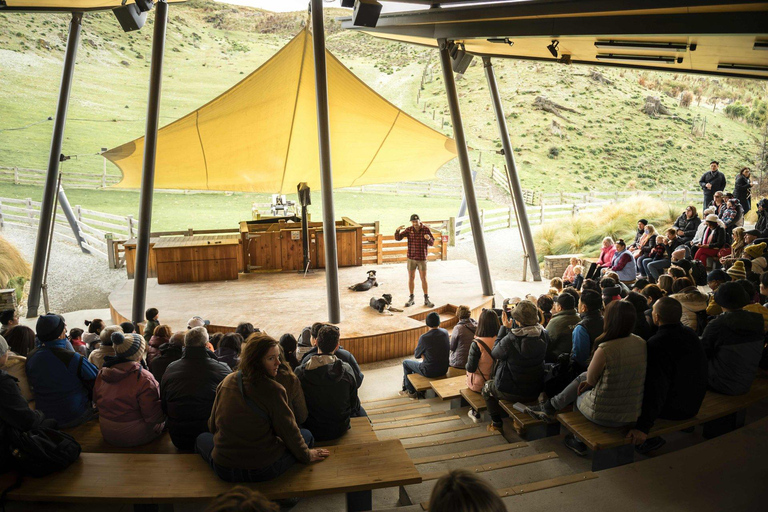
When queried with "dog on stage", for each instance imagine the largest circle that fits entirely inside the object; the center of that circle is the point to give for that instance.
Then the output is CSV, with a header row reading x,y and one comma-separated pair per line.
x,y
367,284
384,304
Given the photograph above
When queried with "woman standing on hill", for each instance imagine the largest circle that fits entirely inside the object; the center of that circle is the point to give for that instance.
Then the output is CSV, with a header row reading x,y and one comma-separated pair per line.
x,y
742,189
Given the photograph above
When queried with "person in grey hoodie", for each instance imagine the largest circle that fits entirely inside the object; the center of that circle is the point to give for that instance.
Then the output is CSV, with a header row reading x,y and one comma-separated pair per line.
x,y
461,338
329,388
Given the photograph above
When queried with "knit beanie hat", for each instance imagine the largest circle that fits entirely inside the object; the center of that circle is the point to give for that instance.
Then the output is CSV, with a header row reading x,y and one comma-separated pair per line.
x,y
755,251
49,327
129,347
3,346
737,270
731,296
526,313
433,320
718,275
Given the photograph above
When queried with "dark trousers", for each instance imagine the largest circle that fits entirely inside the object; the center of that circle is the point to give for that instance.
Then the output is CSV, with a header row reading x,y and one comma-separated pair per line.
x,y
492,402
411,366
204,446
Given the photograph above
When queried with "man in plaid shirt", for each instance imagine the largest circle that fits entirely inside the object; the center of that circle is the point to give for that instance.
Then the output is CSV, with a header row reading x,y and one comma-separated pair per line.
x,y
420,239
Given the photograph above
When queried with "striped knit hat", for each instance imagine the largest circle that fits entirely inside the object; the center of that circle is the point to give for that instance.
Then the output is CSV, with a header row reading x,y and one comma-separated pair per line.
x,y
128,347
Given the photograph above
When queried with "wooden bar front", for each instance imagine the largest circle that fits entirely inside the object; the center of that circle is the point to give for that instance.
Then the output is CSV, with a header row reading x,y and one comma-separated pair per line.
x,y
196,259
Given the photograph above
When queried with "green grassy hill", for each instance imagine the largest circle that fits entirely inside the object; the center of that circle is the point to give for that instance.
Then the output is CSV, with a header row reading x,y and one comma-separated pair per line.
x,y
608,143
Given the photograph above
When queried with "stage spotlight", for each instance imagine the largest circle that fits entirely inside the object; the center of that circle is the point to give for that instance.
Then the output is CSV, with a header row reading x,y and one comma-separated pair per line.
x,y
366,13
501,40
460,59
553,47
130,17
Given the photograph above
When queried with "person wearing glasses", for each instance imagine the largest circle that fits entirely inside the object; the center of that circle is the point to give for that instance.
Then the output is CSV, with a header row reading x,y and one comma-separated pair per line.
x,y
687,224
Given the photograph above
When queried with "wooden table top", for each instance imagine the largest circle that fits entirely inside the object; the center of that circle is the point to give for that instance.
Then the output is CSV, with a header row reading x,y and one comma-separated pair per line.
x,y
176,242
449,388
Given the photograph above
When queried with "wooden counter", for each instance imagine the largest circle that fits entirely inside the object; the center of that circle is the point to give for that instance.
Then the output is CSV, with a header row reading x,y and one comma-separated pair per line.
x,y
182,259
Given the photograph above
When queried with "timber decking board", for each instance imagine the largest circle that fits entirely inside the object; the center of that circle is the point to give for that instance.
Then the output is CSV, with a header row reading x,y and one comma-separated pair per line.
x,y
449,388
399,408
445,430
416,423
451,440
408,417
482,468
469,453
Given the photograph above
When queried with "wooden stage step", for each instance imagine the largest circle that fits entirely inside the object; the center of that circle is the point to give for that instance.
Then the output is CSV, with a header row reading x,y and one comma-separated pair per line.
x,y
482,468
469,453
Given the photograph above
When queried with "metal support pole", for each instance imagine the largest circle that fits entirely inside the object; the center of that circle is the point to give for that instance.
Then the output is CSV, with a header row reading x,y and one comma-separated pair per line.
x,y
49,191
326,175
478,236
71,219
148,173
509,156
44,285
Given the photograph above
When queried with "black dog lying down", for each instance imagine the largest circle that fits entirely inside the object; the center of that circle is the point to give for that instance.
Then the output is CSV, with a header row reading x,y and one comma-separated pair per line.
x,y
367,284
384,304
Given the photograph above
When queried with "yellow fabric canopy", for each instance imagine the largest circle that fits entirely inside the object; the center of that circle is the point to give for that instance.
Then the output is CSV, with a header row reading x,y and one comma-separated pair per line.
x,y
69,4
261,135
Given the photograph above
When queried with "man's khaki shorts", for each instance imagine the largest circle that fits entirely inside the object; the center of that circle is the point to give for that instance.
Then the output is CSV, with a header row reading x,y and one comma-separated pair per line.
x,y
417,264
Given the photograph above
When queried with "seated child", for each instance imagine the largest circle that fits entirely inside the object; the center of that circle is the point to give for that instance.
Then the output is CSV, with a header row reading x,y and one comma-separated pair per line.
x,y
569,275
557,284
578,277
76,339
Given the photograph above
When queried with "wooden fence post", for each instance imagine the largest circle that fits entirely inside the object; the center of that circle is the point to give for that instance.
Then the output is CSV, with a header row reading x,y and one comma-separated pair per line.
x,y
511,216
2,222
15,175
452,231
685,196
379,247
29,212
575,210
482,217
111,250
541,220
376,228
443,249
78,213
129,218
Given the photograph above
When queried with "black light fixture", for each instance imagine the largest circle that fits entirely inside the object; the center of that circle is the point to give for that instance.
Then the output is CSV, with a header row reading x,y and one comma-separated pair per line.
x,y
348,3
760,45
553,47
645,45
366,13
660,59
144,5
133,16
501,40
749,68
460,59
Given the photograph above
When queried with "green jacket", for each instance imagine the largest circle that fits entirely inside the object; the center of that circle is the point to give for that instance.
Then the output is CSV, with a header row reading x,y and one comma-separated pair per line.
x,y
560,330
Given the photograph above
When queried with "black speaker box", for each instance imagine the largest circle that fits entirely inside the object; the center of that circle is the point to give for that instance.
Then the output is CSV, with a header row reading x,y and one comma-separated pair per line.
x,y
366,13
130,17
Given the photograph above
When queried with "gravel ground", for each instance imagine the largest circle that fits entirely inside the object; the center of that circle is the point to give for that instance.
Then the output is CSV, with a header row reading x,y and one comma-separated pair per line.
x,y
505,254
76,281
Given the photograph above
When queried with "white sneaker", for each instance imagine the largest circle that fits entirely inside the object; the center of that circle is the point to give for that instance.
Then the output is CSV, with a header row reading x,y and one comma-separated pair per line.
x,y
475,417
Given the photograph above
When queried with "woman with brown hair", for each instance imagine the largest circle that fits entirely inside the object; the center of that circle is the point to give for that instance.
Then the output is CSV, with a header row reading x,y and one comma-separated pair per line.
x,y
461,491
461,337
293,389
479,359
610,392
253,435
21,341
160,336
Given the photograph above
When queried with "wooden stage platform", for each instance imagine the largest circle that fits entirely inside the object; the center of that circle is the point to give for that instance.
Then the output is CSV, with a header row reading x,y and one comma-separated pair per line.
x,y
286,302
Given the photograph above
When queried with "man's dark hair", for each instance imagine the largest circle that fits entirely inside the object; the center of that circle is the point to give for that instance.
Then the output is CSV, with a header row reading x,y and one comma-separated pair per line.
x,y
607,282
328,339
640,284
566,301
669,310
151,313
232,340
545,303
644,222
245,329
128,327
315,329
590,284
6,316
592,300
681,284
764,279
75,333
573,292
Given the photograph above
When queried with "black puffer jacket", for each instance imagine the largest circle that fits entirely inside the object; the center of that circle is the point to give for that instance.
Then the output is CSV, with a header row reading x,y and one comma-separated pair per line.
x,y
330,391
688,226
14,412
187,392
734,344
169,352
762,218
520,353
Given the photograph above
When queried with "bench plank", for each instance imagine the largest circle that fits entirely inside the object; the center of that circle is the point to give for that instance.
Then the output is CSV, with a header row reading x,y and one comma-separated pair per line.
x,y
163,478
360,431
449,388
469,453
446,430
422,383
379,421
91,441
520,420
482,468
398,408
474,399
714,406
451,440
417,423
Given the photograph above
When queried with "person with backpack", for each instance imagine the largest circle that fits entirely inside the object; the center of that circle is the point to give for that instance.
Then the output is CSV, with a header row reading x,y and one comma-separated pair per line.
x,y
693,302
479,359
61,378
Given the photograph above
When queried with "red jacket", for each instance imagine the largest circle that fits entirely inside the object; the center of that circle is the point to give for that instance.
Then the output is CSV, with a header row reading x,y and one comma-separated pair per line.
x,y
606,255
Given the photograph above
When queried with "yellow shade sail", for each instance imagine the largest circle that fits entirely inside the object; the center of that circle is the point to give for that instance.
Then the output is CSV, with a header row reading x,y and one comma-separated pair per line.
x,y
261,135
69,5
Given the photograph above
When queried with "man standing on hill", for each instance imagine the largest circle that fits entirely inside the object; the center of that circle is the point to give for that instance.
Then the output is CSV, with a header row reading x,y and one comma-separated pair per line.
x,y
420,239
712,181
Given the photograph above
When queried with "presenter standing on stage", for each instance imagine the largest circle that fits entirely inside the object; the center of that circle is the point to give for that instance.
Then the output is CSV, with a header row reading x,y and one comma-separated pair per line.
x,y
420,239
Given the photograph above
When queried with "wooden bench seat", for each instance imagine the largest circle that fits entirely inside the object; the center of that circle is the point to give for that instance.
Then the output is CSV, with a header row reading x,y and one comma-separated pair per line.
x,y
360,431
474,399
449,388
527,426
714,407
156,479
422,383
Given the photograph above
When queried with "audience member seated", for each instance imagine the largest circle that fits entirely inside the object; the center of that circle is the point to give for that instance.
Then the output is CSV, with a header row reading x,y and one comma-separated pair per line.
x,y
754,305
560,327
242,499
665,283
62,379
93,336
159,337
639,234
329,388
461,337
642,327
342,354
127,327
610,290
700,230
14,410
169,352
289,345
8,318
104,348
229,349
660,253
461,491
188,389
245,329
604,260
756,254
520,349
76,340
152,315
713,239
253,433
127,395
610,392
676,376
623,263
578,280
21,341
557,284
686,224
584,335
640,284
733,342
714,279
433,349
693,302
545,304
736,249
479,360
732,216
569,276
296,400
214,339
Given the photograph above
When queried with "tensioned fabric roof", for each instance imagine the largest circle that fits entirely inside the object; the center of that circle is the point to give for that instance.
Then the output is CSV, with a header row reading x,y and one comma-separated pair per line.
x,y
65,5
713,37
261,135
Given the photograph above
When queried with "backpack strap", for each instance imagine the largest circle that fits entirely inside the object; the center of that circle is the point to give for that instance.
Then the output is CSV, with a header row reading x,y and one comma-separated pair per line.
x,y
253,405
478,340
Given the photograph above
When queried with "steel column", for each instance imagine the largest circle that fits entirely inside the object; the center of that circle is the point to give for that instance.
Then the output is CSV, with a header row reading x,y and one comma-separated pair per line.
x,y
509,156
148,172
478,236
51,179
326,175
72,219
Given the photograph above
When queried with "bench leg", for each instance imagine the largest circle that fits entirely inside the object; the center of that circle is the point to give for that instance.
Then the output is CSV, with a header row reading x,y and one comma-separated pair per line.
x,y
456,403
404,500
613,457
359,501
725,424
541,431
429,393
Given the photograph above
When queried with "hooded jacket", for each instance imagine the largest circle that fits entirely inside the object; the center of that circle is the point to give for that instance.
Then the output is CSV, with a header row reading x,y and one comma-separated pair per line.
x,y
734,344
521,353
15,412
342,354
16,367
560,331
169,352
187,392
97,356
331,394
153,347
128,398
228,356
461,338
687,226
693,302
584,335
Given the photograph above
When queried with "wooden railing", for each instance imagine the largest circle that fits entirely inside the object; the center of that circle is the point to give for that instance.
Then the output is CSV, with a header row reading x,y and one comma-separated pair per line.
x,y
420,188
24,176
379,248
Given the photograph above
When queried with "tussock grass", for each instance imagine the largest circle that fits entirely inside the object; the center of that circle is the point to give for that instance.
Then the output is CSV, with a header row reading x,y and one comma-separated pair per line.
x,y
14,269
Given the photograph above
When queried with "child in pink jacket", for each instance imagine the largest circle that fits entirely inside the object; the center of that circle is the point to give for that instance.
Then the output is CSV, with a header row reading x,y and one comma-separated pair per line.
x,y
127,395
